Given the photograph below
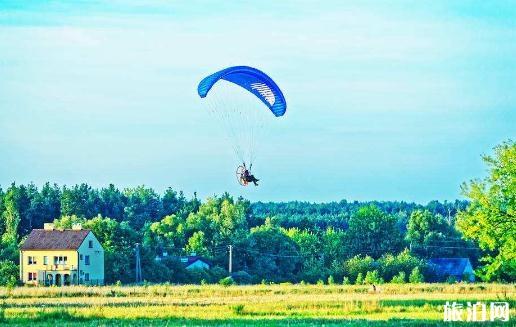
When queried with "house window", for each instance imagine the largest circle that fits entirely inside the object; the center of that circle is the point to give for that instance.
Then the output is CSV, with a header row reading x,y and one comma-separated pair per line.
x,y
60,260
80,256
31,260
87,260
90,244
32,276
45,260
87,277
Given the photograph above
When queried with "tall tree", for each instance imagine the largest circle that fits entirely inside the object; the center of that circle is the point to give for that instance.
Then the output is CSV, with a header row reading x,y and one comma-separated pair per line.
x,y
168,233
373,232
80,200
2,209
143,205
271,254
172,201
112,202
50,197
490,219
12,214
222,221
430,235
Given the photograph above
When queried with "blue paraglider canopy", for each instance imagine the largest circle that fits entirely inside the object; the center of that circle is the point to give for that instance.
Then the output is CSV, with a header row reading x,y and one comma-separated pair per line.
x,y
254,81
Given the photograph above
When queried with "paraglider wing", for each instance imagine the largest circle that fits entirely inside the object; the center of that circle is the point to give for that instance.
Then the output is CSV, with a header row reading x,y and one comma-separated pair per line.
x,y
254,81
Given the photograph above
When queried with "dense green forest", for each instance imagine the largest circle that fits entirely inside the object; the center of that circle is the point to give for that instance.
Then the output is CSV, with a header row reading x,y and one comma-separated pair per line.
x,y
350,242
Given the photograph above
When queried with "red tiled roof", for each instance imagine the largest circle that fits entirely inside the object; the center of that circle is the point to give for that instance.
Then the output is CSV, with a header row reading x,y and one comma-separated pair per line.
x,y
42,239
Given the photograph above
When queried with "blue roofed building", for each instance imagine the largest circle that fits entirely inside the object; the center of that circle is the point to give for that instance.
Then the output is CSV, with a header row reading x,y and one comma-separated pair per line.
x,y
458,268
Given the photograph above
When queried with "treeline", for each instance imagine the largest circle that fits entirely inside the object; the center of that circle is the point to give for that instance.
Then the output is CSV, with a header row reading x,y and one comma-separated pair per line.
x,y
296,241
336,214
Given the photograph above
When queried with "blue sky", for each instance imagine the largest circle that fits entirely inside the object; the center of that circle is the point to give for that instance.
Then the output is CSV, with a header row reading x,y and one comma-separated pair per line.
x,y
390,101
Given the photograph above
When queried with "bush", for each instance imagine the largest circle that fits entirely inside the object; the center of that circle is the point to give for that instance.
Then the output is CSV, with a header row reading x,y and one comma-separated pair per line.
x,y
390,265
238,309
359,280
312,271
241,277
331,281
358,265
451,280
227,281
8,273
217,273
400,278
373,277
196,275
416,276
345,281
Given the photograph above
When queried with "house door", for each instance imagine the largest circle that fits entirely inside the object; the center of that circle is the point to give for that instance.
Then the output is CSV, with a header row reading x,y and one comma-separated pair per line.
x,y
50,280
67,279
58,280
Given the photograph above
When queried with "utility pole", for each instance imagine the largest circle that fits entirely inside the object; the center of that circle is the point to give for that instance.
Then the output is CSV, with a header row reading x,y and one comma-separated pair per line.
x,y
138,274
230,259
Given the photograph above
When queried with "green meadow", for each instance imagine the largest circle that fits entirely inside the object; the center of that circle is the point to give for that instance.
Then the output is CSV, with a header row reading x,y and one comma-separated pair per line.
x,y
261,305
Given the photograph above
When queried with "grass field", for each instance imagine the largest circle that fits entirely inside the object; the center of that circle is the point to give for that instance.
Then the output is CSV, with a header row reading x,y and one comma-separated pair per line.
x,y
264,305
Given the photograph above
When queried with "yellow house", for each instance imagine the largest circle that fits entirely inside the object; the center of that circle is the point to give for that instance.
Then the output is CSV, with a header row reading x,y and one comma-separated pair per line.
x,y
52,256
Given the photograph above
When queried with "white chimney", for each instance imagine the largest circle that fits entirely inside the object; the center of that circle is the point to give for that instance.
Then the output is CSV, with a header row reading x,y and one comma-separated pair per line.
x,y
48,226
77,227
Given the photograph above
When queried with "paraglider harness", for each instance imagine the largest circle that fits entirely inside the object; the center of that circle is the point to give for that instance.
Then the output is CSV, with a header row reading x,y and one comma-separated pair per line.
x,y
244,175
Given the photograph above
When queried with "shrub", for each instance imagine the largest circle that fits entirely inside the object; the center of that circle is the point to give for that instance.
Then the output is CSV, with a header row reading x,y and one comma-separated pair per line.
x,y
345,281
331,280
320,282
390,265
196,275
241,277
451,280
373,277
416,276
238,309
359,280
400,278
227,281
358,265
8,273
216,273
